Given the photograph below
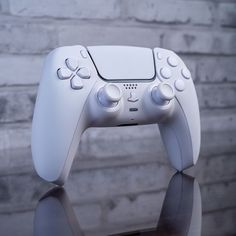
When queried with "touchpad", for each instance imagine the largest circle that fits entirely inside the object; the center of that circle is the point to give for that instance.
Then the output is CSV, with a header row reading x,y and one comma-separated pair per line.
x,y
123,62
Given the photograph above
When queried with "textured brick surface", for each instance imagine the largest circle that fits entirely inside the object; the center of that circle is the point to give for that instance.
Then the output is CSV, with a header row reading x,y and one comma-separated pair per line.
x,y
201,42
173,11
16,105
4,6
228,14
217,95
20,69
26,38
8,220
94,34
84,9
14,136
212,221
214,70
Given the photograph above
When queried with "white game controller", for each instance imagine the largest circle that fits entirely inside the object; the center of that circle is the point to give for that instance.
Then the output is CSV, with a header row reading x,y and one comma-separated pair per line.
x,y
112,86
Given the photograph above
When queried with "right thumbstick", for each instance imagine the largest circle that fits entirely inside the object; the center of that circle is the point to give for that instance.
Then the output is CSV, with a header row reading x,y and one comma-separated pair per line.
x,y
162,94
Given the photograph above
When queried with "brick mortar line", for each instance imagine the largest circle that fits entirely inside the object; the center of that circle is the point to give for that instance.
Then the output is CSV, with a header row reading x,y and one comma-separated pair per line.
x,y
229,154
190,54
25,121
204,111
98,201
206,55
35,86
121,195
213,1
119,22
33,207
26,172
19,86
18,211
27,125
219,210
22,86
120,165
101,201
85,169
214,82
142,162
217,108
210,157
223,181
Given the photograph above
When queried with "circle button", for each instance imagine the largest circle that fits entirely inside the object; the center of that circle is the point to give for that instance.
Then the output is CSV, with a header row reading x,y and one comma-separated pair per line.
x,y
186,73
180,85
165,72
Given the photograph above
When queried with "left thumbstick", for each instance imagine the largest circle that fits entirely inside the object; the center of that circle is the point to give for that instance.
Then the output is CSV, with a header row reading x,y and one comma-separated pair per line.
x,y
109,95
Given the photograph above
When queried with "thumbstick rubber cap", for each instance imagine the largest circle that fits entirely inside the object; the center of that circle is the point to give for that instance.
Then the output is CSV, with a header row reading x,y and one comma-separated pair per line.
x,y
162,94
109,95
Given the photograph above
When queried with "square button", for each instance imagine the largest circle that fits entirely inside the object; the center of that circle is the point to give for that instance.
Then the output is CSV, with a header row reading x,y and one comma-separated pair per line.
x,y
63,73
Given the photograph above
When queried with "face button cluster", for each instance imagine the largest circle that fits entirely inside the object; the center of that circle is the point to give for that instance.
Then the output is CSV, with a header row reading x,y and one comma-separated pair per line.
x,y
74,72
170,66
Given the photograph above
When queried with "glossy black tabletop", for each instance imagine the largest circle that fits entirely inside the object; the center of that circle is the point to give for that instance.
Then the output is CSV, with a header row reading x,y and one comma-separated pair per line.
x,y
138,199
181,212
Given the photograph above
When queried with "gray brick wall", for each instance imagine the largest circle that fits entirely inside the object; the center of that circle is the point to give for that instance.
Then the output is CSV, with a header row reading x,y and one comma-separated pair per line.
x,y
202,32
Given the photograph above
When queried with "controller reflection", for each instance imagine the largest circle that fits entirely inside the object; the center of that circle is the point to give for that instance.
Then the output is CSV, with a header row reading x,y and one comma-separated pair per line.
x,y
181,213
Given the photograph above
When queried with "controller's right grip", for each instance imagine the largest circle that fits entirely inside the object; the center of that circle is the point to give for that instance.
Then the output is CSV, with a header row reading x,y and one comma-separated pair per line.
x,y
181,137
